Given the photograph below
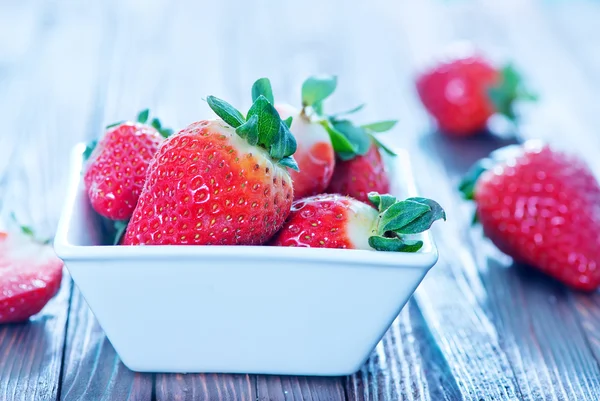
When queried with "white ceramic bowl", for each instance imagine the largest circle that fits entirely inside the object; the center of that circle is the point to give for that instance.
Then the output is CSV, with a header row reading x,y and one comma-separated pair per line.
x,y
238,309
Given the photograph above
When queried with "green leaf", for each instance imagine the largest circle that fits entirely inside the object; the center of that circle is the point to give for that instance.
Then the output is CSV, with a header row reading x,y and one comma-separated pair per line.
x,y
249,130
317,88
262,86
351,111
285,143
156,124
269,123
227,112
120,228
394,244
400,214
357,136
143,115
338,140
114,124
165,132
381,145
89,148
380,126
423,222
290,162
381,202
288,121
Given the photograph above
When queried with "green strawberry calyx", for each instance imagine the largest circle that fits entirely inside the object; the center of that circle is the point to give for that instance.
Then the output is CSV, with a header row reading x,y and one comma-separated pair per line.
x,y
509,90
142,118
399,221
261,126
348,139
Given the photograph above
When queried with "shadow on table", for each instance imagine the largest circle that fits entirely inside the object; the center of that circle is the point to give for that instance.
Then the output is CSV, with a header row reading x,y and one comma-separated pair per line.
x,y
459,154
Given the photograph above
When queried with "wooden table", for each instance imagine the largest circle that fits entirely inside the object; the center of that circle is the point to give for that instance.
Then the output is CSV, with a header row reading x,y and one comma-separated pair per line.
x,y
477,328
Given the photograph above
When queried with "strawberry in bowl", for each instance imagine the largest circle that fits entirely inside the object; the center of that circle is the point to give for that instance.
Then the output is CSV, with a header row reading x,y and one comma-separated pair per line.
x,y
336,221
315,154
541,207
218,182
117,164
360,167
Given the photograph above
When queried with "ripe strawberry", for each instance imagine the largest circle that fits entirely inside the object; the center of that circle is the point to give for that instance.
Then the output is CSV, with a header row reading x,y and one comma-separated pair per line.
x,y
220,182
30,275
359,167
461,93
335,221
314,153
116,167
359,176
542,207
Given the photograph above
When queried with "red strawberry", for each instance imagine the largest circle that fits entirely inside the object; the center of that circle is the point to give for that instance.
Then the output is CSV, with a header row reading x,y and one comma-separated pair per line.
x,y
462,93
359,176
315,155
116,168
30,275
220,182
335,221
542,207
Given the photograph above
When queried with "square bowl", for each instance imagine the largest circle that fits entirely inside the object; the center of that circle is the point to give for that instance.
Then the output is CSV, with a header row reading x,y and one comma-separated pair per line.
x,y
239,309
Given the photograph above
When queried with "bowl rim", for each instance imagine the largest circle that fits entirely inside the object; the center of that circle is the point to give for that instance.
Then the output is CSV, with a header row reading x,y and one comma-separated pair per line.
x,y
424,259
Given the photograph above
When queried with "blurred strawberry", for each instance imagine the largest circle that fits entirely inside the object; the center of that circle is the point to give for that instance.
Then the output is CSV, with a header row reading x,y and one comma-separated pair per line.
x,y
116,168
30,275
542,207
462,93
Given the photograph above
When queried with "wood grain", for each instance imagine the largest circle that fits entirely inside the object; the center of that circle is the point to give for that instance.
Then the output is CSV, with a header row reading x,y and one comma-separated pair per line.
x,y
31,353
205,387
291,388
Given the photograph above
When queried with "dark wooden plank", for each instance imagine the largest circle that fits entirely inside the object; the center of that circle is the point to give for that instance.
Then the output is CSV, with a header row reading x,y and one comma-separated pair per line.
x,y
208,387
92,368
30,353
297,388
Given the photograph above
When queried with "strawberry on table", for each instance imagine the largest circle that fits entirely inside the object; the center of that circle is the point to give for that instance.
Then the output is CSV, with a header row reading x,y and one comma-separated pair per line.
x,y
542,207
315,155
336,221
30,275
218,182
462,92
117,164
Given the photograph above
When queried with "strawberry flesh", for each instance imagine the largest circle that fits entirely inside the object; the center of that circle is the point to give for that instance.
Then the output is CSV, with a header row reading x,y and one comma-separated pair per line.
x,y
327,221
359,176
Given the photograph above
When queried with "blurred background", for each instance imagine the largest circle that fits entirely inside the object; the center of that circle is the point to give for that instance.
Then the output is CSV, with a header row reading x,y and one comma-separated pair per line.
x,y
68,68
